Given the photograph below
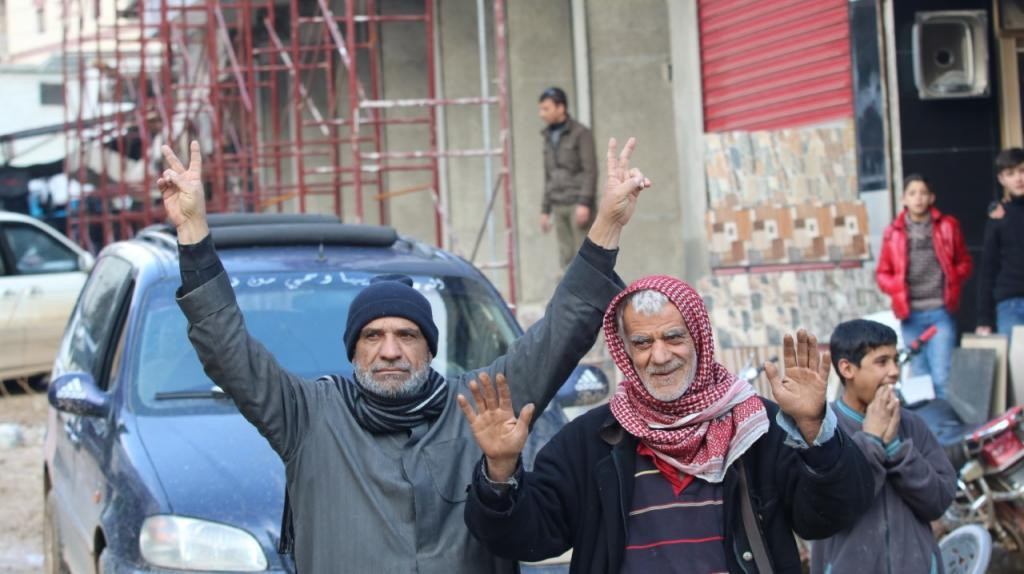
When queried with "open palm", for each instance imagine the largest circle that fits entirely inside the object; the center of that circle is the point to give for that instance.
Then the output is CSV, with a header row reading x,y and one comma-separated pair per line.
x,y
499,433
800,389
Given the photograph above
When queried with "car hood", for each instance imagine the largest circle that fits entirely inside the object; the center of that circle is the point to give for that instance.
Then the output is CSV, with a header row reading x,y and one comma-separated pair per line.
x,y
217,467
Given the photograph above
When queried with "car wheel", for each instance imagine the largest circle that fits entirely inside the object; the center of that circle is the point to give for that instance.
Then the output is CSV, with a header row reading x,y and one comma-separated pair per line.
x,y
53,559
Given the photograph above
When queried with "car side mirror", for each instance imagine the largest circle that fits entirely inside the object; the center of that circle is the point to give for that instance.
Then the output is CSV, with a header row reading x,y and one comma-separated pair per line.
x,y
86,262
77,393
587,385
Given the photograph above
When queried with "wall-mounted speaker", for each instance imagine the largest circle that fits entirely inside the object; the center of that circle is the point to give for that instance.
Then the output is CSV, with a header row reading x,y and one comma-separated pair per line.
x,y
951,54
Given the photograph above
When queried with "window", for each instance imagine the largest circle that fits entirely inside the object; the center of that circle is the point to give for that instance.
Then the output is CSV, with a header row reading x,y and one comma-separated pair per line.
x,y
115,362
96,316
36,251
51,94
299,317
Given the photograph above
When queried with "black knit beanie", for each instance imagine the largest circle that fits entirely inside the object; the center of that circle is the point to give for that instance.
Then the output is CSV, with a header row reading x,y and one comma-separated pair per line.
x,y
389,296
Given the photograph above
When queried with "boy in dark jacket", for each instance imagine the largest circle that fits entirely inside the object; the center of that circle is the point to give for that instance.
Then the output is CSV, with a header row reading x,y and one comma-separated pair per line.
x,y
685,470
912,480
1001,283
922,265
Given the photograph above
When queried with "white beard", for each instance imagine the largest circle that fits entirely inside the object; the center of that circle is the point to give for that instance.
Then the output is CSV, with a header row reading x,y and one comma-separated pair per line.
x,y
660,392
407,388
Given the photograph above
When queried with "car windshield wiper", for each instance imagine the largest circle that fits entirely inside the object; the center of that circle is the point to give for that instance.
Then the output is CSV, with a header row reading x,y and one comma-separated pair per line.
x,y
213,392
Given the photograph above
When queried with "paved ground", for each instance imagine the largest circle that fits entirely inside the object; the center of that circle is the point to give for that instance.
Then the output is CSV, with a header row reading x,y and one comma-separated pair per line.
x,y
21,486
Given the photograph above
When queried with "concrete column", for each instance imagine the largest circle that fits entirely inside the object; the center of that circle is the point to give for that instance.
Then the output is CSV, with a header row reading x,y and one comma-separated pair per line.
x,y
633,95
687,103
403,58
540,55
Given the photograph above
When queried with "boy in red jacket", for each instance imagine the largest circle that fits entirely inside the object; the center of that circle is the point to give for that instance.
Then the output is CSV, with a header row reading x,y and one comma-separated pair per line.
x,y
922,266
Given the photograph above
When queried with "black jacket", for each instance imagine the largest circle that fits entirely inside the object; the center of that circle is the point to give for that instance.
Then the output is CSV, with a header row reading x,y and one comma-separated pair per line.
x,y
570,168
1002,261
582,485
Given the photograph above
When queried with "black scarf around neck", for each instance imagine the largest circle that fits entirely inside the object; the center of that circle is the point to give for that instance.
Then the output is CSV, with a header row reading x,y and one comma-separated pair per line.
x,y
379,414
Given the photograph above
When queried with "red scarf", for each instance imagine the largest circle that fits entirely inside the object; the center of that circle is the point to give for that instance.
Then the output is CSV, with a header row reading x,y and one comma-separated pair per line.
x,y
718,418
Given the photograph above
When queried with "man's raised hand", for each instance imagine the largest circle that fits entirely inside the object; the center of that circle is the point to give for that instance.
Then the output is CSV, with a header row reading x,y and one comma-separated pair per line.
x,y
621,191
800,390
183,197
499,433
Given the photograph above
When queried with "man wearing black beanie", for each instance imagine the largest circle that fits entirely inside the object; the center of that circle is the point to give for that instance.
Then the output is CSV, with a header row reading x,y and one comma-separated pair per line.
x,y
377,466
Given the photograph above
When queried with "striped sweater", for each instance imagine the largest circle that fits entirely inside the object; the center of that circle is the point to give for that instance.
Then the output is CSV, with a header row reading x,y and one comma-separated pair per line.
x,y
671,532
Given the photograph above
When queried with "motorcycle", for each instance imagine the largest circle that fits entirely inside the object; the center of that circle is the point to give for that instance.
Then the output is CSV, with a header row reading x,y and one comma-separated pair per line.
x,y
990,488
990,462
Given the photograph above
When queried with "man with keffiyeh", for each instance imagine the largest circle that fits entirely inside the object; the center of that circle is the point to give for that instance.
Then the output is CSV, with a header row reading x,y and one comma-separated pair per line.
x,y
377,466
685,470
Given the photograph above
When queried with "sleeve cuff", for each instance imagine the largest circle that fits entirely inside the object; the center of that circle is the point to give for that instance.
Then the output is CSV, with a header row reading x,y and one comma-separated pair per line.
x,y
598,257
497,496
197,255
591,276
207,299
796,440
893,447
198,264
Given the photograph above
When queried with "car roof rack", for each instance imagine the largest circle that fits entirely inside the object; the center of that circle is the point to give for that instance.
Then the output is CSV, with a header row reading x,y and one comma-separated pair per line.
x,y
279,230
285,234
237,219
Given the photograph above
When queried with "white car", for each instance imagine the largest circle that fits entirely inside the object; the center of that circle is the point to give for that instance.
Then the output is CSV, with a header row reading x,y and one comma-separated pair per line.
x,y
41,274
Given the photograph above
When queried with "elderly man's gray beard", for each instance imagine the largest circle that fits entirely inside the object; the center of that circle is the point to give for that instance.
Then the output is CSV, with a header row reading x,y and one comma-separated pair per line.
x,y
665,393
408,388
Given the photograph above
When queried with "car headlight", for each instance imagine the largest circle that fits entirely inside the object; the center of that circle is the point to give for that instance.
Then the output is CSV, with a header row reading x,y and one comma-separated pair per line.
x,y
191,544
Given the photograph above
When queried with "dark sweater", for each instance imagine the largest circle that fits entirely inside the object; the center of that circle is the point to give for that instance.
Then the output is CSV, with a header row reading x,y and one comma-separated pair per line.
x,y
669,532
913,484
584,479
1002,262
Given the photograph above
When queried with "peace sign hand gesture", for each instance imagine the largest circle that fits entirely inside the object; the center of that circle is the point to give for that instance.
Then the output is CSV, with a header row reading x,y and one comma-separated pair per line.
x,y
624,184
183,196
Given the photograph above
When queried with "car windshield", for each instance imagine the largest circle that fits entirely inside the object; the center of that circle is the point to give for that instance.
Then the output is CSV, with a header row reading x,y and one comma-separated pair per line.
x,y
300,318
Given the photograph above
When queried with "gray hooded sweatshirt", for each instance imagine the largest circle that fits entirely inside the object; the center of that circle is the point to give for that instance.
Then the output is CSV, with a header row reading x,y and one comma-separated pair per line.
x,y
914,484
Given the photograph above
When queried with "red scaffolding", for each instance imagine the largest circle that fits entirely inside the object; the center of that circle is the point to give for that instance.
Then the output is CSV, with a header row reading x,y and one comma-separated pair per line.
x,y
240,77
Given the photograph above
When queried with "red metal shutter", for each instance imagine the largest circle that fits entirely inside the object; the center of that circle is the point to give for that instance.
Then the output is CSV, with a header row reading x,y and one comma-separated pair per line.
x,y
770,64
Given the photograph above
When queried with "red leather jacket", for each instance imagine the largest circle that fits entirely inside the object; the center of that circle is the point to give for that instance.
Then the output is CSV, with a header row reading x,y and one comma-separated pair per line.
x,y
950,250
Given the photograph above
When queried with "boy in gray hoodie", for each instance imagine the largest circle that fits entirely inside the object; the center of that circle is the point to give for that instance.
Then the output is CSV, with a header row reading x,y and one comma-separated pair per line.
x,y
914,481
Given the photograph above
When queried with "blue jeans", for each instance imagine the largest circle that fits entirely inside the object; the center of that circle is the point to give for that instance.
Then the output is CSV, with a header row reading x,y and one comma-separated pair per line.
x,y
1009,314
935,355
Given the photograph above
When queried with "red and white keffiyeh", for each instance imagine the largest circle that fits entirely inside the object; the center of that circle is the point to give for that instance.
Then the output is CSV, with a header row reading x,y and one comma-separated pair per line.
x,y
718,418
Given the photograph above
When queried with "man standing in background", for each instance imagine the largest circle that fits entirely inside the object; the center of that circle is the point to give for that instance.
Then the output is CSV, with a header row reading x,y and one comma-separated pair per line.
x,y
570,175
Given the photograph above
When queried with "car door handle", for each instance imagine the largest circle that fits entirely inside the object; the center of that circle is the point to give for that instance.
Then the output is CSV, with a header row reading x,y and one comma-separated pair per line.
x,y
69,429
35,290
10,293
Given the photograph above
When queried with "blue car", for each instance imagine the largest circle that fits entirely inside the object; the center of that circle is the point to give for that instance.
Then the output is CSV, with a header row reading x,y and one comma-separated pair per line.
x,y
149,467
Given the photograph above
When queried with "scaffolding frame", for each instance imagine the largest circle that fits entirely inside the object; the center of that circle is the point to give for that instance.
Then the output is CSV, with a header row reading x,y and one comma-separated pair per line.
x,y
235,74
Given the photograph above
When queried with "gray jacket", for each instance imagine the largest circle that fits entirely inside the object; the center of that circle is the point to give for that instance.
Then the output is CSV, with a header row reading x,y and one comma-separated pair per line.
x,y
570,168
385,503
914,484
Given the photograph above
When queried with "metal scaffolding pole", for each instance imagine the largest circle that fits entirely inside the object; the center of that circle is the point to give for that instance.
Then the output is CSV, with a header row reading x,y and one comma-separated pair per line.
x,y
286,99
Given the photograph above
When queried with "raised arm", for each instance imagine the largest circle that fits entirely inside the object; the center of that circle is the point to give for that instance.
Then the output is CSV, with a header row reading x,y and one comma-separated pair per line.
x,y
515,514
540,361
280,404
